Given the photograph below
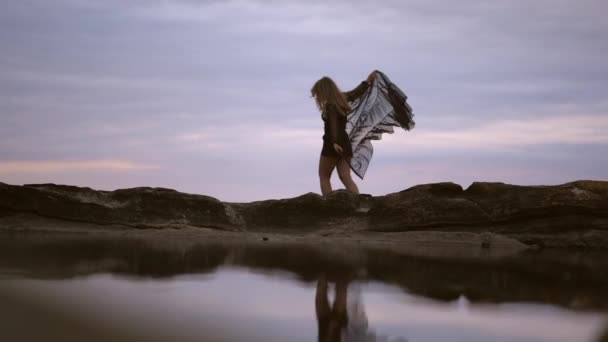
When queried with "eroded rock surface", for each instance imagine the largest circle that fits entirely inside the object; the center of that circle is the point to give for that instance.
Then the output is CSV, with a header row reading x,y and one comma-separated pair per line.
x,y
570,215
136,207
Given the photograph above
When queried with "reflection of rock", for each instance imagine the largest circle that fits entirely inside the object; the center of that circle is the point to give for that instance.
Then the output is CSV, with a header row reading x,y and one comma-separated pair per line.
x,y
570,279
573,214
604,337
68,257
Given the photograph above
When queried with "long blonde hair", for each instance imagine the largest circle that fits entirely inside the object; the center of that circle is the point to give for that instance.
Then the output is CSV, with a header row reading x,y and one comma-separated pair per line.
x,y
325,91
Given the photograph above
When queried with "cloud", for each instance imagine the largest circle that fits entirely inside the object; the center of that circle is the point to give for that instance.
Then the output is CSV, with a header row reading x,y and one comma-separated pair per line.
x,y
41,167
495,135
223,86
577,129
284,17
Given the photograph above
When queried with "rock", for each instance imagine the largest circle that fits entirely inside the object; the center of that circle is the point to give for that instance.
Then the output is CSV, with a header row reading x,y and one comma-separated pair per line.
x,y
598,187
542,208
438,189
568,215
136,207
307,212
595,238
424,207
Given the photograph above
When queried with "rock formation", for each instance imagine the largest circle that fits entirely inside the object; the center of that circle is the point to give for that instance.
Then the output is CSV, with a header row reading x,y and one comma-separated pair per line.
x,y
570,215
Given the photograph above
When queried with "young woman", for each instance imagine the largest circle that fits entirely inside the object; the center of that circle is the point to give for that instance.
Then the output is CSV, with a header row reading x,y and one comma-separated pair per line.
x,y
337,150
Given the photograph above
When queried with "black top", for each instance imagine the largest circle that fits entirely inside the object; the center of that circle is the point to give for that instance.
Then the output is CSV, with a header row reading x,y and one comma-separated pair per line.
x,y
335,119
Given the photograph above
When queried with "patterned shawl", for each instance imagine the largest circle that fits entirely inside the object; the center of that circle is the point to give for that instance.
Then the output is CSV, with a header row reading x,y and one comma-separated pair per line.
x,y
381,107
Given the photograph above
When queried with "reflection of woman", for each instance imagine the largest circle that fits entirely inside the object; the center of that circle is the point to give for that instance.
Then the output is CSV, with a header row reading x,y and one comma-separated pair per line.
x,y
337,150
345,320
331,321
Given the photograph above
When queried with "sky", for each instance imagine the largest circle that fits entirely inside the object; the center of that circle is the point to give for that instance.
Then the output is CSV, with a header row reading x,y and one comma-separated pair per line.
x,y
213,97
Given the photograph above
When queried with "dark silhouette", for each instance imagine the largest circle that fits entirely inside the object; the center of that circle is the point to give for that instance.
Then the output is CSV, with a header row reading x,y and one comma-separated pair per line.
x,y
337,150
331,320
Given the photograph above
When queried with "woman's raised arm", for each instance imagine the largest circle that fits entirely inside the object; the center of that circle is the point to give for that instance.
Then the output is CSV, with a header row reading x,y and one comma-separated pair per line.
x,y
361,88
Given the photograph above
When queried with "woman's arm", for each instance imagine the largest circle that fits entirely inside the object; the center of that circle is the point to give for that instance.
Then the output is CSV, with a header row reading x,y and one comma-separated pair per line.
x,y
361,88
357,92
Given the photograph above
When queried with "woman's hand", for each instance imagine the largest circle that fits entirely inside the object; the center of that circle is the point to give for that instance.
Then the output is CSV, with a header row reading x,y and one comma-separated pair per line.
x,y
338,148
372,76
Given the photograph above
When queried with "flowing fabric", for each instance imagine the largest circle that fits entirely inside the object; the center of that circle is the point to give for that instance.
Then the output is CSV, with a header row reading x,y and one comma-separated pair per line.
x,y
382,107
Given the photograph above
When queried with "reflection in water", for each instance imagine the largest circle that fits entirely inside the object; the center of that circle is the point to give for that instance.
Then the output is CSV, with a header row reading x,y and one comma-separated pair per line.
x,y
331,320
568,279
345,320
604,336
156,292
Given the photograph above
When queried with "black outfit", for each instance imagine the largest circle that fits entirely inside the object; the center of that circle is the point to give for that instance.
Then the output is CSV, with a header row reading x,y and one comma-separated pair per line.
x,y
335,125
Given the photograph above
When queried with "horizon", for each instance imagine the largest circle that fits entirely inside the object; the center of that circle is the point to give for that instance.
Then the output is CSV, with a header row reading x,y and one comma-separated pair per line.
x,y
213,97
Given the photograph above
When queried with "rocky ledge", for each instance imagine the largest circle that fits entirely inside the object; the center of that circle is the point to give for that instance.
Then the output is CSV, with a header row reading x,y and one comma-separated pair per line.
x,y
569,215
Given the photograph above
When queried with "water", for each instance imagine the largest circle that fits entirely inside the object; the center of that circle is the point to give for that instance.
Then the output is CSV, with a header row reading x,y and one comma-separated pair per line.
x,y
109,289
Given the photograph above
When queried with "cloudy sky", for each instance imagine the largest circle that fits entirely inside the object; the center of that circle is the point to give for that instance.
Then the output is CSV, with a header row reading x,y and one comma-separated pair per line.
x,y
213,97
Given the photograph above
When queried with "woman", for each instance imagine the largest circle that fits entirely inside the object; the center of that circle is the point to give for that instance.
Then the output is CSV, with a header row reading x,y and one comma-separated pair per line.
x,y
337,150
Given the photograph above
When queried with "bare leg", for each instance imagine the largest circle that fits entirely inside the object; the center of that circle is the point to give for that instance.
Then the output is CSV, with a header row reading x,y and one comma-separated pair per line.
x,y
339,305
344,173
323,310
326,167
321,300
339,314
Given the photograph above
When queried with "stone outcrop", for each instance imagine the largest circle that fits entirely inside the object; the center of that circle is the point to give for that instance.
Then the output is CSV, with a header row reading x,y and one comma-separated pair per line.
x,y
136,207
570,215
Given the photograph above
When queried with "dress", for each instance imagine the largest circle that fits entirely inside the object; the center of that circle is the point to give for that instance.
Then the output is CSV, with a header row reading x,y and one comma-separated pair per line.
x,y
335,126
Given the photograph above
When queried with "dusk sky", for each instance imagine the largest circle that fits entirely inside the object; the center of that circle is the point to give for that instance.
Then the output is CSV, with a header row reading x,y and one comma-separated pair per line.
x,y
213,97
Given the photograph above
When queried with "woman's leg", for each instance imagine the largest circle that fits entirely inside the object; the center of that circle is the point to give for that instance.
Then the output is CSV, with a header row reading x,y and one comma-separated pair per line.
x,y
322,309
339,306
326,167
344,173
321,300
339,316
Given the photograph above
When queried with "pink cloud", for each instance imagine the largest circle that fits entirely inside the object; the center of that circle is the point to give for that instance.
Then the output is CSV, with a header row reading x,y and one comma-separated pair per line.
x,y
17,167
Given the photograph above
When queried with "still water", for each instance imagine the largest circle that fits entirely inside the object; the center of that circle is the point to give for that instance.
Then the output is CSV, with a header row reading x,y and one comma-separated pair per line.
x,y
92,289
